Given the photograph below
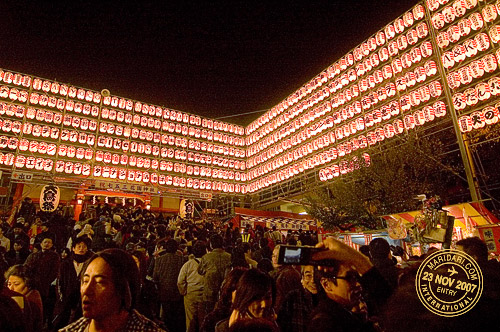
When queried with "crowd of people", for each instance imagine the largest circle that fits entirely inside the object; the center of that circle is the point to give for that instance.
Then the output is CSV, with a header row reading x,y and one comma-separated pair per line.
x,y
122,268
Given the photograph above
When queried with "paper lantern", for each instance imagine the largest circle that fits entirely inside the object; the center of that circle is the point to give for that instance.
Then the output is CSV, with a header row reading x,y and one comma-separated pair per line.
x,y
476,20
494,84
490,115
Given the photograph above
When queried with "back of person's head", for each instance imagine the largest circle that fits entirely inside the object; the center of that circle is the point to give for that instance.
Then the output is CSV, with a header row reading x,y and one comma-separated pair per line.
x,y
253,285
365,250
228,287
474,247
124,273
171,246
161,244
265,265
199,249
263,243
246,247
379,248
238,257
252,325
216,241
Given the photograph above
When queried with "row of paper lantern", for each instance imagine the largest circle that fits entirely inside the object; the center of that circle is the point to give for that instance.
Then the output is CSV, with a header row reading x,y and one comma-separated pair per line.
x,y
293,126
129,105
345,79
434,5
474,70
468,49
479,119
451,13
136,119
363,50
462,29
81,153
126,145
413,99
410,79
86,124
163,165
13,94
480,92
410,121
373,60
344,167
379,38
171,127
12,110
95,97
413,56
427,114
70,167
84,169
103,141
87,153
15,78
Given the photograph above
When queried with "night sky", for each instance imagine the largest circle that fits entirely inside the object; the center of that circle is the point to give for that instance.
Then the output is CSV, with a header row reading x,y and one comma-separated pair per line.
x,y
209,58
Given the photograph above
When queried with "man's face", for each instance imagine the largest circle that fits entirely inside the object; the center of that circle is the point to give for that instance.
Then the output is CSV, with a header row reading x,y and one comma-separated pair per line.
x,y
274,257
17,230
46,244
308,279
17,247
80,248
347,288
99,296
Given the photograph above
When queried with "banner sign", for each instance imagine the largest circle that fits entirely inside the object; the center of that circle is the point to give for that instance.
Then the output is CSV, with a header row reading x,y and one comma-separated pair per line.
x,y
104,185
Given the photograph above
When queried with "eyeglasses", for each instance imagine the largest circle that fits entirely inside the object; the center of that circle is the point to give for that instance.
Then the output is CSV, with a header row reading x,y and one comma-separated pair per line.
x,y
351,277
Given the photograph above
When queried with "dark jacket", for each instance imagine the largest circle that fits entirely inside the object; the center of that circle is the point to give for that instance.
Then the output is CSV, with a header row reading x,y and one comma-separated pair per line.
x,y
165,273
44,266
68,289
13,257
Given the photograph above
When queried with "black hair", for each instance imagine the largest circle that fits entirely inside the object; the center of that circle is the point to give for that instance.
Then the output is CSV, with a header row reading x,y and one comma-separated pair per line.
x,y
475,247
265,265
379,248
246,246
20,271
199,249
84,238
171,246
124,274
253,285
238,257
216,241
251,325
365,250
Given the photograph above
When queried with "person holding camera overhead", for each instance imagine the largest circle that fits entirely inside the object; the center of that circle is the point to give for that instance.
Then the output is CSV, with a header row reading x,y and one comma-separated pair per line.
x,y
342,307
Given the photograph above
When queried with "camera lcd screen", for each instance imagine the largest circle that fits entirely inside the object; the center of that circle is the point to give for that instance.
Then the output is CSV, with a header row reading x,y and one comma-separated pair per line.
x,y
292,256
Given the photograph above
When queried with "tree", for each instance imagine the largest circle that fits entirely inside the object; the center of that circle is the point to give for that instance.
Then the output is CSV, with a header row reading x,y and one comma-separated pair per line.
x,y
399,171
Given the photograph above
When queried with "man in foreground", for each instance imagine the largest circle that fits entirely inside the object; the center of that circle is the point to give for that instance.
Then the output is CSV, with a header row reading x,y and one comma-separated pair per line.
x,y
109,288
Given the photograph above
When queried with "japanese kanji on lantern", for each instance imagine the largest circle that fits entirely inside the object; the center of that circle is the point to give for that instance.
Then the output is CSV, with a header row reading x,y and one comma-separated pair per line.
x,y
49,198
